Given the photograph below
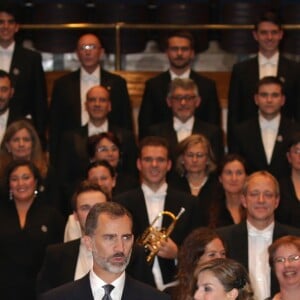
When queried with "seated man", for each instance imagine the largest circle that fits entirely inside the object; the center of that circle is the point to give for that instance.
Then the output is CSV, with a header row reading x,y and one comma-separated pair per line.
x,y
109,238
183,99
248,241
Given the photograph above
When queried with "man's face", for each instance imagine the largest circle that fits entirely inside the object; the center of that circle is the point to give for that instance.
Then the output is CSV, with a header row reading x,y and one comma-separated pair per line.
x,y
260,200
183,103
180,53
89,52
111,244
154,165
268,37
6,93
269,100
84,202
8,29
98,104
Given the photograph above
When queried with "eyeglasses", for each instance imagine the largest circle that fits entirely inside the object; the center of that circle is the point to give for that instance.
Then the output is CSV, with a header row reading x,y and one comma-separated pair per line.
x,y
266,194
106,149
88,47
195,155
187,98
295,150
291,259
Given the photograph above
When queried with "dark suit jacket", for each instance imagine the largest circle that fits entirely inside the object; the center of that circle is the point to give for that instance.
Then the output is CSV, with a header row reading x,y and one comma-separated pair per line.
x,y
211,132
244,79
248,142
73,148
134,201
154,107
30,97
60,262
236,239
81,289
65,108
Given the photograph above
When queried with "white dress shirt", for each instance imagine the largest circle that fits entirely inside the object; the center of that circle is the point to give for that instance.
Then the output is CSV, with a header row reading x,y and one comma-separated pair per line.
x,y
97,286
184,75
268,66
92,129
269,131
86,82
6,57
258,259
84,261
183,130
155,203
3,124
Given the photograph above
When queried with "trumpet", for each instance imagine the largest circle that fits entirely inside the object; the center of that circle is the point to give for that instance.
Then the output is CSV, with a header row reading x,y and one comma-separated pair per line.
x,y
152,236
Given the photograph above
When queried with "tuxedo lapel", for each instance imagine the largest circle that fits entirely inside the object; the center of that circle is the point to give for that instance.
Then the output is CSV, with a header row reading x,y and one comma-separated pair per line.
x,y
258,143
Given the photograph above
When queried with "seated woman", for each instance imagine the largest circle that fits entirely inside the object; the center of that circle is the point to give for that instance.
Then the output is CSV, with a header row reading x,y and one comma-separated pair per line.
x,y
288,211
21,141
284,258
201,245
226,207
222,279
104,175
27,226
195,172
106,146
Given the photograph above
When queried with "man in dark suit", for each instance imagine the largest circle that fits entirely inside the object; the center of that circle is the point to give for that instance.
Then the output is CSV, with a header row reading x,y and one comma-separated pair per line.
x,y
109,238
153,197
183,99
269,62
74,142
25,68
154,109
67,109
262,140
248,241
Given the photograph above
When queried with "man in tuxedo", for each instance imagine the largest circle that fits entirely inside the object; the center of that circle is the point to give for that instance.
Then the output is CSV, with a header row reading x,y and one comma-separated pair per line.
x,y
69,261
67,109
74,142
26,71
183,99
262,140
109,237
248,241
154,196
154,109
269,62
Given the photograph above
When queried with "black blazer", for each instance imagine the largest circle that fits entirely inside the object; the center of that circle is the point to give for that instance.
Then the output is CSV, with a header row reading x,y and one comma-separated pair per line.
x,y
248,143
154,107
212,132
65,108
30,97
244,79
81,289
134,201
236,240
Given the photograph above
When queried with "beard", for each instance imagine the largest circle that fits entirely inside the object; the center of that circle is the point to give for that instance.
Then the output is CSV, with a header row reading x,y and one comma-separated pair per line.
x,y
109,265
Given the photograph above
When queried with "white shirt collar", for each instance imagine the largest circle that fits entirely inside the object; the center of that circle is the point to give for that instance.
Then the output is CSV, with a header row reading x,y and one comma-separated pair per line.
x,y
94,76
92,129
264,60
267,231
148,192
9,50
188,125
97,286
184,75
272,124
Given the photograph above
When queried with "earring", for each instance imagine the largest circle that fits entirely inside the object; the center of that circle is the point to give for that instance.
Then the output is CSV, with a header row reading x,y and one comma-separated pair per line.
x,y
11,196
35,193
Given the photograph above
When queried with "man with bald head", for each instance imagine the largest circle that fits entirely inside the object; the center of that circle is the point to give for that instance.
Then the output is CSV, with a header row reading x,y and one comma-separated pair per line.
x,y
74,146
67,109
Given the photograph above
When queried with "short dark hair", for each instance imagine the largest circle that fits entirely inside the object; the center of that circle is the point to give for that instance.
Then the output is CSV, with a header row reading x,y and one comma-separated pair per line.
x,y
4,74
155,141
270,80
181,34
268,16
113,209
12,9
86,186
101,163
